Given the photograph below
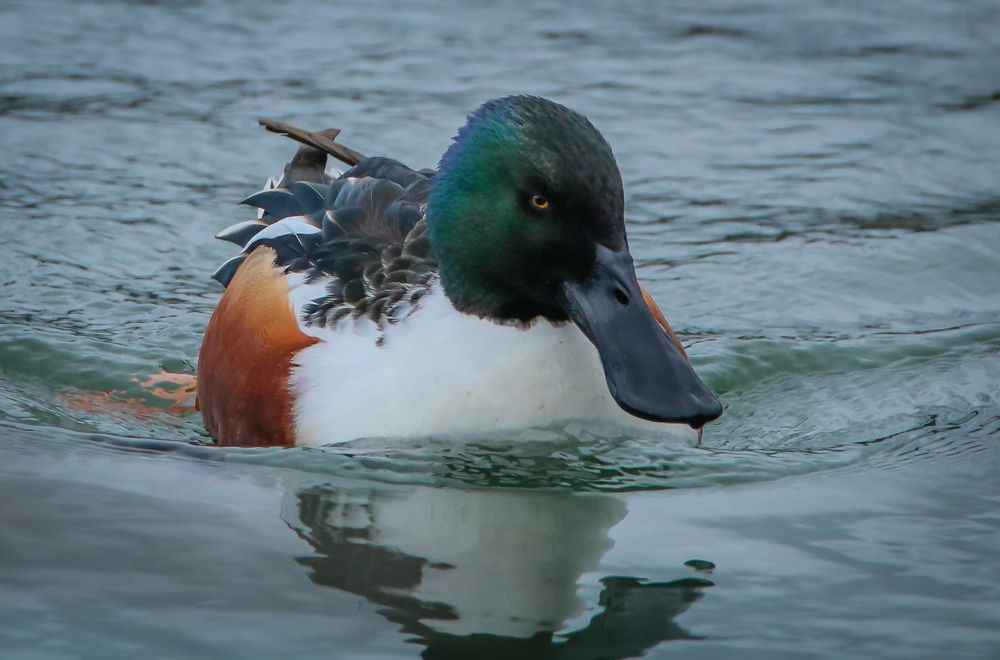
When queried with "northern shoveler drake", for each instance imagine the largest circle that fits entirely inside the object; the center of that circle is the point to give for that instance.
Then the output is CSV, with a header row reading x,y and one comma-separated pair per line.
x,y
494,293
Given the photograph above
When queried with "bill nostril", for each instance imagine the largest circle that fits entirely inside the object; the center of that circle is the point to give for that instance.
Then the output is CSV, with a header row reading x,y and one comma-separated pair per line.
x,y
621,296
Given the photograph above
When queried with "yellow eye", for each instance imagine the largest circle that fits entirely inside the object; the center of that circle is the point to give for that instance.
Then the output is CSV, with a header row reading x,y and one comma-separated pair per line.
x,y
539,202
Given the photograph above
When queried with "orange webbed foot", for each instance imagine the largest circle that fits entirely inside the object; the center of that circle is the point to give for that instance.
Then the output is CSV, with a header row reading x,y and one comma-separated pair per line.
x,y
182,390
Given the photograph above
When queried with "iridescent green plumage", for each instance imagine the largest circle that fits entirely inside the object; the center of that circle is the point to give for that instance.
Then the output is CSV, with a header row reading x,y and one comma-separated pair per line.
x,y
498,256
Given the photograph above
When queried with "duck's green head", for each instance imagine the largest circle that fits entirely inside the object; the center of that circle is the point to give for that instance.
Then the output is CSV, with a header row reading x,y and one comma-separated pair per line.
x,y
526,216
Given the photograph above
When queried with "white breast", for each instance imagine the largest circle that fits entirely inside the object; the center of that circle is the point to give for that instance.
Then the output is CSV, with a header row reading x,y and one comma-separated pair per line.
x,y
442,372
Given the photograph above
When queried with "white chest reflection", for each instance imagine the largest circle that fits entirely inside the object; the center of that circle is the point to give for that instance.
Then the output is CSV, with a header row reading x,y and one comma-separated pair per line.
x,y
474,568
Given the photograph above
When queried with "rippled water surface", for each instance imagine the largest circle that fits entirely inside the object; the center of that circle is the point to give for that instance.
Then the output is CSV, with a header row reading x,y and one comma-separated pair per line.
x,y
813,192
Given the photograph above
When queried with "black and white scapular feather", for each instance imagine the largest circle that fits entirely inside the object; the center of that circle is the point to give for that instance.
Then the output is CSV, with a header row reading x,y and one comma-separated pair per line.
x,y
362,234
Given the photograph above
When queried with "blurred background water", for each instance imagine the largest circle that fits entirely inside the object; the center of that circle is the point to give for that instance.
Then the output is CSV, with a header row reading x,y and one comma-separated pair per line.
x,y
812,193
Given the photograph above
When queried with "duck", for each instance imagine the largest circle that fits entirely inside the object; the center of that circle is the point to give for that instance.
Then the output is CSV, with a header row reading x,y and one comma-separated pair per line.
x,y
493,294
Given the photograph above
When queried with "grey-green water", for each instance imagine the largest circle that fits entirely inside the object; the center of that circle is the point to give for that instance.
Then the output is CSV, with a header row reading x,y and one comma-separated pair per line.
x,y
813,198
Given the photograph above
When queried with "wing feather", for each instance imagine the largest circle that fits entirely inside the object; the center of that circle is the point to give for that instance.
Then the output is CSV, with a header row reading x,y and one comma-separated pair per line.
x,y
362,235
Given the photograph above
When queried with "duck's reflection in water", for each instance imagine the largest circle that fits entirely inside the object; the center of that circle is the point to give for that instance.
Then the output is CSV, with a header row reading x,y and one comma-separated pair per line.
x,y
486,574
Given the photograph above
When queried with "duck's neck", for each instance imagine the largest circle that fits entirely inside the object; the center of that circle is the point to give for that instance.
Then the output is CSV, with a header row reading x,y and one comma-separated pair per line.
x,y
488,289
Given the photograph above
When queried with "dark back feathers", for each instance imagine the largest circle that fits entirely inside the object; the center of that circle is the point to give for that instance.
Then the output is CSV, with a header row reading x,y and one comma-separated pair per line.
x,y
364,235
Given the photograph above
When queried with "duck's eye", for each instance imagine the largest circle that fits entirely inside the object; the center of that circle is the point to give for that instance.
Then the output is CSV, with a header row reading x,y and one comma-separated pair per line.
x,y
539,202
